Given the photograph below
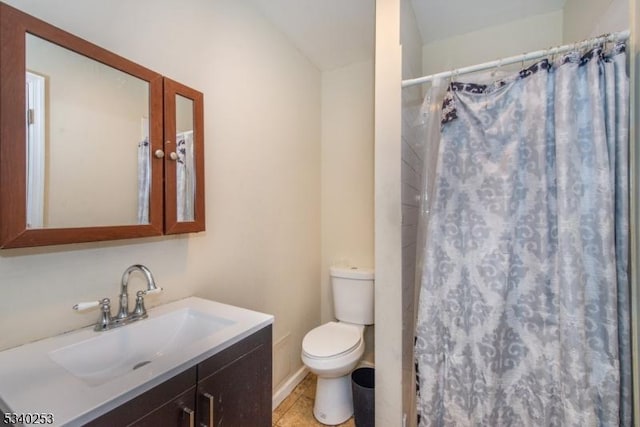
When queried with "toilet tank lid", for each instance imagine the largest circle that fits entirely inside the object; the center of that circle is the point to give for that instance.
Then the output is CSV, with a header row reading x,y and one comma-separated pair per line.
x,y
352,272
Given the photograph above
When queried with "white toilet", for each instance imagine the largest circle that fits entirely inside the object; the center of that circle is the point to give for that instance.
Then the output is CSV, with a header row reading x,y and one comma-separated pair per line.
x,y
332,351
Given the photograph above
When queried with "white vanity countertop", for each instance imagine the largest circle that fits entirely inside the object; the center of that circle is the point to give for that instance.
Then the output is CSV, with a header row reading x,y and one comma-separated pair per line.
x,y
31,382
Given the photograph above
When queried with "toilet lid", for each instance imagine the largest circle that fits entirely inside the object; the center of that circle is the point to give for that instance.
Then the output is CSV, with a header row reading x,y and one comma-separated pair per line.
x,y
331,339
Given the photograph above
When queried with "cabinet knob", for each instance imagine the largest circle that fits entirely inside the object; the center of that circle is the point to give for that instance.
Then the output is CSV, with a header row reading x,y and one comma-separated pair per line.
x,y
173,156
159,154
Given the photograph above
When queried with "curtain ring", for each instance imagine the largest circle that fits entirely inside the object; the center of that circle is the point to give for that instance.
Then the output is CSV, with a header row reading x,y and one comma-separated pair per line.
x,y
451,79
496,68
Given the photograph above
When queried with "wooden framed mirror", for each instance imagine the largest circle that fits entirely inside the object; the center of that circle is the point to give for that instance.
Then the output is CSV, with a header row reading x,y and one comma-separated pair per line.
x,y
79,129
184,167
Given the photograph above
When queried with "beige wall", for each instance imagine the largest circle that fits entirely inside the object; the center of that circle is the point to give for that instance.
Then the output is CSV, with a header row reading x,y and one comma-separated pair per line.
x,y
347,176
261,249
589,18
347,172
184,114
520,36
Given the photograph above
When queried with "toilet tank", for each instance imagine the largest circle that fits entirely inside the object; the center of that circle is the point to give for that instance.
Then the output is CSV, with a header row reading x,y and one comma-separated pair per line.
x,y
353,294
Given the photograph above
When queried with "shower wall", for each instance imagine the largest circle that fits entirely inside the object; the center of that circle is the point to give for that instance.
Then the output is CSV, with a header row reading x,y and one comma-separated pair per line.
x,y
411,168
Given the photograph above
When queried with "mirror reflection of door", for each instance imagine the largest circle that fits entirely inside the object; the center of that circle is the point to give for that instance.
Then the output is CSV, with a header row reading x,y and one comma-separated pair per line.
x,y
92,138
185,161
35,121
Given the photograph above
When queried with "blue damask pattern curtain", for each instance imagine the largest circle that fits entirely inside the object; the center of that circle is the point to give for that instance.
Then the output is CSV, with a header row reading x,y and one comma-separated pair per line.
x,y
144,180
523,314
185,177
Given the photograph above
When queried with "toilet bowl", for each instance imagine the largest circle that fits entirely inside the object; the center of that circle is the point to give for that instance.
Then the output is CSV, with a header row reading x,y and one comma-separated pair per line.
x,y
332,350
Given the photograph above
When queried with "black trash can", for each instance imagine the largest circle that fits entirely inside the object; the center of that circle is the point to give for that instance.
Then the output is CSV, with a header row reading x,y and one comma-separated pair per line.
x,y
362,387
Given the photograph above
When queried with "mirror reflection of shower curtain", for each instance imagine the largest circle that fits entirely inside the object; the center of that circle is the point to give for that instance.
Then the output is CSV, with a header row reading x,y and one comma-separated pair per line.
x,y
144,174
36,149
143,181
185,177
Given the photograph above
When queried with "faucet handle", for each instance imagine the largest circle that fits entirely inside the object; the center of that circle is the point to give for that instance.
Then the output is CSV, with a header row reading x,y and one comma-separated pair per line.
x,y
140,311
82,306
104,321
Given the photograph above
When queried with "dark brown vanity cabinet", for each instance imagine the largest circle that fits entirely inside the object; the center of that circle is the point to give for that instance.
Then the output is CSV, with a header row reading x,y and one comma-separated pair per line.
x,y
168,404
230,389
234,388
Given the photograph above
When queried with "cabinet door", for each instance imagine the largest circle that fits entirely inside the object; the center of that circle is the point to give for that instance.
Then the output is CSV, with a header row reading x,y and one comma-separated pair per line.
x,y
184,158
180,412
236,388
161,406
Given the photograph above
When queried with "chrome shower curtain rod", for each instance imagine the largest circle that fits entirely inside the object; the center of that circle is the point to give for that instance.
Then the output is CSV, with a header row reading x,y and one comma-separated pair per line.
x,y
623,35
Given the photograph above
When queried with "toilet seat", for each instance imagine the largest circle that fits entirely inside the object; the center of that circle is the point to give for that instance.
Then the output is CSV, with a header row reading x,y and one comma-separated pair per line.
x,y
331,340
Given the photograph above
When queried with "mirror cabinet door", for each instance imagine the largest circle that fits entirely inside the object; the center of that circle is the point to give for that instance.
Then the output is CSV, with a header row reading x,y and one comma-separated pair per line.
x,y
184,164
79,130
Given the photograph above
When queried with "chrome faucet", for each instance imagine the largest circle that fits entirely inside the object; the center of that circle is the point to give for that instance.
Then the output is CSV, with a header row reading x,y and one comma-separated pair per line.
x,y
106,321
139,311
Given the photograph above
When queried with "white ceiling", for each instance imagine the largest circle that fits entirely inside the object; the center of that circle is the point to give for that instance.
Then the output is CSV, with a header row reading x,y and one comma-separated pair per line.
x,y
331,33
335,33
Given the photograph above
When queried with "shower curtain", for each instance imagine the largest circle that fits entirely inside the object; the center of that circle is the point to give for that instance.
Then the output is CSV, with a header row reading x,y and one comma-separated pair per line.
x,y
185,178
523,315
144,180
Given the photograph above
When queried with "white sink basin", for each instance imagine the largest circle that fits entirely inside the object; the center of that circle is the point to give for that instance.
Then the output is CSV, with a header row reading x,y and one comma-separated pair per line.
x,y
83,374
113,353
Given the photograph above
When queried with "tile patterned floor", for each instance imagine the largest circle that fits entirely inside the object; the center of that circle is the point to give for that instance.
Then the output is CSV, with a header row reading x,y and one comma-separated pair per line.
x,y
297,409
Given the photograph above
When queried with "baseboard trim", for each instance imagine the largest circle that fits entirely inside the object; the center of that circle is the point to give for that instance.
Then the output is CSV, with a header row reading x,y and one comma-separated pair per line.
x,y
287,387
